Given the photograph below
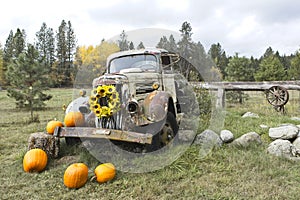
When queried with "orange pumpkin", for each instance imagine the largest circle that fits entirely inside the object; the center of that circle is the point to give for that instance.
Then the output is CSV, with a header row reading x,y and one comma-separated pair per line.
x,y
35,160
52,125
105,172
76,175
74,119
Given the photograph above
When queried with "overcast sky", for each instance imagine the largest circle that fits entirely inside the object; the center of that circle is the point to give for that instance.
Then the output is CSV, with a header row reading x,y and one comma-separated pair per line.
x,y
245,27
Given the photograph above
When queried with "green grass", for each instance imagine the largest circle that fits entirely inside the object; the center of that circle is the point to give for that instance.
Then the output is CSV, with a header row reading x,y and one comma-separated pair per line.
x,y
225,173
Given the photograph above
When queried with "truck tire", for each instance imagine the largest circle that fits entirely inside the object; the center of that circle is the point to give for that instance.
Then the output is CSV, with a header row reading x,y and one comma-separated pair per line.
x,y
166,135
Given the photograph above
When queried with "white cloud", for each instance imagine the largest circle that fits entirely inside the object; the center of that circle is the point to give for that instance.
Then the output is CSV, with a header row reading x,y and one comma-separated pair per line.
x,y
246,28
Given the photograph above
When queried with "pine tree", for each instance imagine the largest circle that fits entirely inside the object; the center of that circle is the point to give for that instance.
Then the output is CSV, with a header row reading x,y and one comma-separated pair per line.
x,y
270,69
219,57
46,47
14,46
294,70
61,54
71,47
140,46
19,42
163,43
123,43
131,45
203,63
28,80
8,49
239,69
254,65
172,44
269,51
185,44
2,72
169,45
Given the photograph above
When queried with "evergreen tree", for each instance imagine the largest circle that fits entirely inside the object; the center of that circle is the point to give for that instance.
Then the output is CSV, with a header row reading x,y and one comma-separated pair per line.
x,y
202,63
14,46
239,69
163,43
294,70
199,67
8,50
140,46
45,45
2,72
269,51
254,65
169,45
71,47
185,44
286,62
123,43
131,45
65,52
28,80
61,53
219,57
270,69
172,44
19,42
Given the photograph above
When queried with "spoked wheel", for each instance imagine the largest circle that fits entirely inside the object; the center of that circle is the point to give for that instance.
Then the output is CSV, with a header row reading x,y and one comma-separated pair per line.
x,y
277,96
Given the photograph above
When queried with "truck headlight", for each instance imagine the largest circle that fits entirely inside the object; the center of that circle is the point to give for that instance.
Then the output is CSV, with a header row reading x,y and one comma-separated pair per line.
x,y
132,107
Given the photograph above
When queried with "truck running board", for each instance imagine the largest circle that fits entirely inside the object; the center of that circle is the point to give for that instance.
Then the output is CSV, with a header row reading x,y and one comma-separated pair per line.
x,y
111,134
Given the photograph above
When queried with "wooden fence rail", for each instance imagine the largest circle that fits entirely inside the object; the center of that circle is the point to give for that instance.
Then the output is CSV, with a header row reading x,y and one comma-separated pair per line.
x,y
221,87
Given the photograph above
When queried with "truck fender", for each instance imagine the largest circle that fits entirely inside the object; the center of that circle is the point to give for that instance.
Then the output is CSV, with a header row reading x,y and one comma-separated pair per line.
x,y
156,105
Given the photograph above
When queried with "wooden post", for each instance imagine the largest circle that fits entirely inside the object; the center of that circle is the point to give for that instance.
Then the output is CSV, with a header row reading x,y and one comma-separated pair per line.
x,y
220,103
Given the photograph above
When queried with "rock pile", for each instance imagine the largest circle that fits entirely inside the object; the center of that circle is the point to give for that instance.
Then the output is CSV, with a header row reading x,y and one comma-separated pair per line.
x,y
285,139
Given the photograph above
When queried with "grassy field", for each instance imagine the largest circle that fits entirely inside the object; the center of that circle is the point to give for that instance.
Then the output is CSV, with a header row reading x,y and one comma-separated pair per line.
x,y
225,173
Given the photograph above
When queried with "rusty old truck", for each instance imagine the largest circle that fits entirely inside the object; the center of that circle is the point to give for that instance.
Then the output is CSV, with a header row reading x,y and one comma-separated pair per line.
x,y
140,99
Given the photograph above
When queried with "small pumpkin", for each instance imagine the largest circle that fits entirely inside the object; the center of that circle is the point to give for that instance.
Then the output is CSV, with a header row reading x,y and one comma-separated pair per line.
x,y
76,175
74,118
105,172
35,160
51,125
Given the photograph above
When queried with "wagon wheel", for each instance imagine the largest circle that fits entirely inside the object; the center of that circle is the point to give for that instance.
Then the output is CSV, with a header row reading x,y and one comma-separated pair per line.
x,y
277,96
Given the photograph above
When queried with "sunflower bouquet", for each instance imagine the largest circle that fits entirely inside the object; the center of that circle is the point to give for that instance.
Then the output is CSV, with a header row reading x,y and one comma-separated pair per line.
x,y
104,101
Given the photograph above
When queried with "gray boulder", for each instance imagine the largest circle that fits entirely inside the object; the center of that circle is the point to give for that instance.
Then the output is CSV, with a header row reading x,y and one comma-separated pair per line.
x,y
247,139
250,114
285,132
207,140
263,126
295,118
283,148
208,137
186,135
296,143
226,136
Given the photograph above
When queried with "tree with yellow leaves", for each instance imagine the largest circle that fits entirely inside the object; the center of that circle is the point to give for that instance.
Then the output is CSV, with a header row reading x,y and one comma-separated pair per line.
x,y
91,60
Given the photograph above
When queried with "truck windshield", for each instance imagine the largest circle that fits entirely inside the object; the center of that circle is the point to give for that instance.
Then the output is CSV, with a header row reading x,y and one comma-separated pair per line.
x,y
143,62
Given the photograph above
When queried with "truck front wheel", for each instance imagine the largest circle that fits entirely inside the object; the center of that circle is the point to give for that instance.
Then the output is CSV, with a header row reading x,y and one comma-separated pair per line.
x,y
167,134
